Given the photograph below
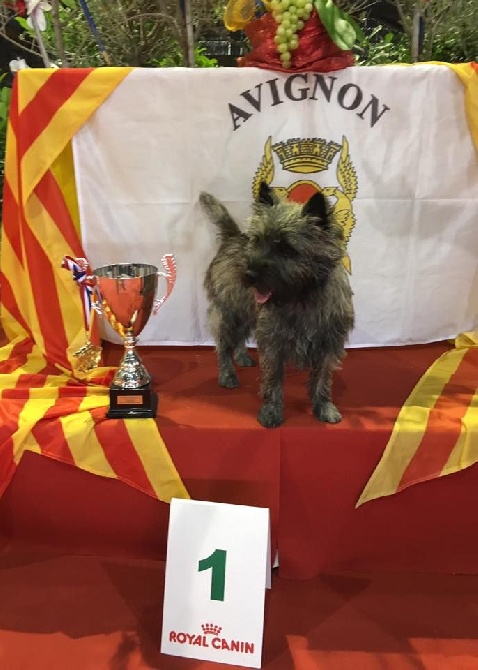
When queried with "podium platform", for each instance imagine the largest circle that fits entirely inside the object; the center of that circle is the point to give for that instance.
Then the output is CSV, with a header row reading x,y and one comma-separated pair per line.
x,y
308,474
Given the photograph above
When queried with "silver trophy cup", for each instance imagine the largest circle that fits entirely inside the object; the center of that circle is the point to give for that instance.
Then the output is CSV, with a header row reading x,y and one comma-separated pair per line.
x,y
126,295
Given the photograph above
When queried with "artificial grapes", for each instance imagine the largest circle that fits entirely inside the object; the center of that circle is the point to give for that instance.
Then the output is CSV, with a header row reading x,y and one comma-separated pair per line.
x,y
290,17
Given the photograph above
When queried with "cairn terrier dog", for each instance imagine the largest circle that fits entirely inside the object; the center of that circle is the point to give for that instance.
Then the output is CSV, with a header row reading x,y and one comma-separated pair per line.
x,y
283,281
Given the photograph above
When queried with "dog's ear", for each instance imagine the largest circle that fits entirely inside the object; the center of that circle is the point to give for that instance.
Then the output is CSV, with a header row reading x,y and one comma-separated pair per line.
x,y
266,195
316,209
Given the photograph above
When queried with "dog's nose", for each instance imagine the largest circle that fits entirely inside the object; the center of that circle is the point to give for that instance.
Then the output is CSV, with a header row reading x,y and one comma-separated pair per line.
x,y
250,274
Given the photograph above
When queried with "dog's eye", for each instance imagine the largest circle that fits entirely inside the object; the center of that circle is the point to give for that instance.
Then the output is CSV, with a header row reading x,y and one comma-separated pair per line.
x,y
284,248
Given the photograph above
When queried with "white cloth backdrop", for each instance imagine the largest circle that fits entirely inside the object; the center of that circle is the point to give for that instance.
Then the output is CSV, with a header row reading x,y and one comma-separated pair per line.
x,y
164,135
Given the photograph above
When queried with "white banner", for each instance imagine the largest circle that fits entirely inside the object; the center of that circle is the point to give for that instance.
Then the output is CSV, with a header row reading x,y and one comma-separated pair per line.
x,y
389,146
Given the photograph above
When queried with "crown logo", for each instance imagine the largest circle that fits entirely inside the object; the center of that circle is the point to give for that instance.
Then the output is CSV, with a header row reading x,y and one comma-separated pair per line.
x,y
211,629
306,155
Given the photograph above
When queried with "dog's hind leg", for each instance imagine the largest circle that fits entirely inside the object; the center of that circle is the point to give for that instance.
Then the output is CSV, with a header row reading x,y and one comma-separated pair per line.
x,y
320,385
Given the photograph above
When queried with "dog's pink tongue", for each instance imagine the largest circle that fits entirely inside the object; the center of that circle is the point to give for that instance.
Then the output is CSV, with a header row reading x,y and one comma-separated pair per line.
x,y
261,298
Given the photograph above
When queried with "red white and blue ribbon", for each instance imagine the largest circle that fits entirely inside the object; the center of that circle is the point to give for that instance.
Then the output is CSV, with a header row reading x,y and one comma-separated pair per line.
x,y
83,276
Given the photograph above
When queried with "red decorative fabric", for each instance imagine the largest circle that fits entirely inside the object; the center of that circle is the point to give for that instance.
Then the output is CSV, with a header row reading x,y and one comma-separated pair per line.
x,y
309,475
316,52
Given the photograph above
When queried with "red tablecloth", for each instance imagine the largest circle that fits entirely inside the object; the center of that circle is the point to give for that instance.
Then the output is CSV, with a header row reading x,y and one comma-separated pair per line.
x,y
309,475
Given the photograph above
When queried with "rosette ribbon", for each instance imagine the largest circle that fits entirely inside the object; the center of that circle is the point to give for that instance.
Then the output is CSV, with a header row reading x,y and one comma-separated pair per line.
x,y
88,355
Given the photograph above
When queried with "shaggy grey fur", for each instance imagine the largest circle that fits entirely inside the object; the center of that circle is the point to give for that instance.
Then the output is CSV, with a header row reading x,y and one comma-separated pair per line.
x,y
282,280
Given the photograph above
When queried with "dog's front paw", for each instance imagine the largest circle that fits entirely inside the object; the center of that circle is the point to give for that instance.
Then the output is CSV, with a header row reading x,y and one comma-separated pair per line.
x,y
270,416
327,412
228,379
244,360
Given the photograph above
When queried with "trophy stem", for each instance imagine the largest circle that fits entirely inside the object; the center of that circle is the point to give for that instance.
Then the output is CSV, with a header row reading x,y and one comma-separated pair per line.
x,y
131,373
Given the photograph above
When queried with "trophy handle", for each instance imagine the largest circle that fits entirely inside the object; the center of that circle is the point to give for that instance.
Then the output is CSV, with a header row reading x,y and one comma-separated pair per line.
x,y
169,265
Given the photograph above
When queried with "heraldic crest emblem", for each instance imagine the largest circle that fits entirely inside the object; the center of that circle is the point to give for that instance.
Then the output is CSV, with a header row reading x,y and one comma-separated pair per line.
x,y
309,156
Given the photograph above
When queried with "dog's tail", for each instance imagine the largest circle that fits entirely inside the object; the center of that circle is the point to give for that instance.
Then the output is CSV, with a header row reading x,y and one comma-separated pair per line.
x,y
219,216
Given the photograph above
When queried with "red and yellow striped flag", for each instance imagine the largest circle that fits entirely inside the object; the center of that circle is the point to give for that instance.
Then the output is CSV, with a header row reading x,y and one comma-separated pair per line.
x,y
436,432
45,405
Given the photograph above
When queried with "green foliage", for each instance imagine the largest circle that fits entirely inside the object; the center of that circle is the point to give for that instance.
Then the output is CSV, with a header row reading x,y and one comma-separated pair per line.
x,y
138,33
24,24
202,60
5,94
175,59
450,32
378,48
454,46
381,47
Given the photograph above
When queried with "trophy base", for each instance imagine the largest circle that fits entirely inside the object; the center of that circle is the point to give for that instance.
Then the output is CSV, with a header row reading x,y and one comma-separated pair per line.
x,y
141,403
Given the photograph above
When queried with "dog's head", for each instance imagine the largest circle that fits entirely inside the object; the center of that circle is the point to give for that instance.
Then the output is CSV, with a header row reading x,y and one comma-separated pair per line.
x,y
291,248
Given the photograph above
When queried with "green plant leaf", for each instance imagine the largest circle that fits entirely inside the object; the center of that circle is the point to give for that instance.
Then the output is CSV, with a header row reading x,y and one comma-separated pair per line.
x,y
5,94
24,24
341,28
359,33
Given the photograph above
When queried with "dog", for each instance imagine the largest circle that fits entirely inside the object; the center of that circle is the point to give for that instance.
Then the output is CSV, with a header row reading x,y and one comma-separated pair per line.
x,y
283,281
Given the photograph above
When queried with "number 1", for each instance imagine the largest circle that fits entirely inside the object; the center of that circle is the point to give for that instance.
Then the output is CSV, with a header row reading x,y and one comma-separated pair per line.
x,y
217,562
